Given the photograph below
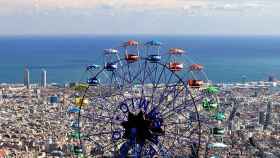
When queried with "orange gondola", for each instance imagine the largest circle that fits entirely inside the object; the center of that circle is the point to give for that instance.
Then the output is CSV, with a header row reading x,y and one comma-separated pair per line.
x,y
176,51
131,57
196,67
175,66
195,83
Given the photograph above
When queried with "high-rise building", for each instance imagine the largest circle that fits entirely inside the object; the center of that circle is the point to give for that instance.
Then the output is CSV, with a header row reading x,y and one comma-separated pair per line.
x,y
268,115
44,78
26,78
193,116
271,78
261,117
1,96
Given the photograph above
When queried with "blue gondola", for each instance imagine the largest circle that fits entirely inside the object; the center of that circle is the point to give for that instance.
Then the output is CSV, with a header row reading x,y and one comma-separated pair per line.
x,y
93,81
92,67
154,43
111,66
73,109
154,58
74,125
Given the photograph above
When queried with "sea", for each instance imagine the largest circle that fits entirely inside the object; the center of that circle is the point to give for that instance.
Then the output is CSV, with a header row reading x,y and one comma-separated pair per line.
x,y
226,59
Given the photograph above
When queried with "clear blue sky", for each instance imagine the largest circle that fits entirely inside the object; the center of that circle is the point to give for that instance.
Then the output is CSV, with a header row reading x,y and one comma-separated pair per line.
x,y
211,17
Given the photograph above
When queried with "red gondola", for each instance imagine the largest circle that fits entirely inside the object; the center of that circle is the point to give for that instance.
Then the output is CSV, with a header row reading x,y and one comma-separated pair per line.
x,y
131,43
131,57
195,83
175,66
176,51
196,67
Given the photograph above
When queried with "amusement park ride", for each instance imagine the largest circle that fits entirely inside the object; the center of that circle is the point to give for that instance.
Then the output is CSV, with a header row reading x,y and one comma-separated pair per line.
x,y
145,103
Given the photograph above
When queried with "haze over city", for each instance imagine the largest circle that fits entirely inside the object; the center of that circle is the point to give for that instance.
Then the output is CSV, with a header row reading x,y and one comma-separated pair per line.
x,y
176,17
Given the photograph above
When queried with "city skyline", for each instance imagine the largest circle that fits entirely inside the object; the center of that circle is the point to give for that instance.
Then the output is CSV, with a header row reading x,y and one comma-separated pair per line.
x,y
174,17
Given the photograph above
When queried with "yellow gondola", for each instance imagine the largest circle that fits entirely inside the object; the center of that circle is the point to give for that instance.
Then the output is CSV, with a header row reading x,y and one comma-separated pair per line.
x,y
81,102
80,87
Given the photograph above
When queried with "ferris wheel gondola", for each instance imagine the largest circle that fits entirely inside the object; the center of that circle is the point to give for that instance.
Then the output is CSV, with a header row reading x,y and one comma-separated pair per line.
x,y
131,48
175,63
153,51
111,55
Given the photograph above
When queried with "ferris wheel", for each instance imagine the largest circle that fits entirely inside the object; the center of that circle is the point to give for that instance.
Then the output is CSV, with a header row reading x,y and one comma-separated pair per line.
x,y
140,103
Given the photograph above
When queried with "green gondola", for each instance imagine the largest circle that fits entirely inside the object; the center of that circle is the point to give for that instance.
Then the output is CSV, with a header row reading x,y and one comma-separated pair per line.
x,y
212,89
219,116
76,135
76,150
209,105
81,156
218,131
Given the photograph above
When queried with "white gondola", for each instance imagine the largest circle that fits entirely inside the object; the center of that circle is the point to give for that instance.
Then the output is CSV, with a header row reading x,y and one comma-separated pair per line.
x,y
111,51
217,145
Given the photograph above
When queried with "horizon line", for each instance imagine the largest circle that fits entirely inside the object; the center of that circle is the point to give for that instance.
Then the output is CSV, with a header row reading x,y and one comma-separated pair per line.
x,y
139,34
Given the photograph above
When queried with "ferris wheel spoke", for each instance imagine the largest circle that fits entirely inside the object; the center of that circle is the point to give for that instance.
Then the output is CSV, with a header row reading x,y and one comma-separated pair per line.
x,y
173,100
183,138
98,106
102,121
100,134
119,60
168,123
160,76
142,80
175,145
117,79
180,108
153,89
177,109
135,77
154,72
112,145
122,77
104,106
159,150
106,147
93,136
105,74
129,74
172,113
145,77
124,149
101,118
111,81
150,74
180,136
155,85
163,96
104,125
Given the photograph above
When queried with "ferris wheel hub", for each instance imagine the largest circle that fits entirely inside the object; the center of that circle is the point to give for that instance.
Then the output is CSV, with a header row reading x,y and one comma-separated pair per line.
x,y
141,128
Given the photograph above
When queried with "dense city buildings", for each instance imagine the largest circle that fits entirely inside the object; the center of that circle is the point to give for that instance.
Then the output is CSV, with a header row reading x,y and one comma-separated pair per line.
x,y
34,121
